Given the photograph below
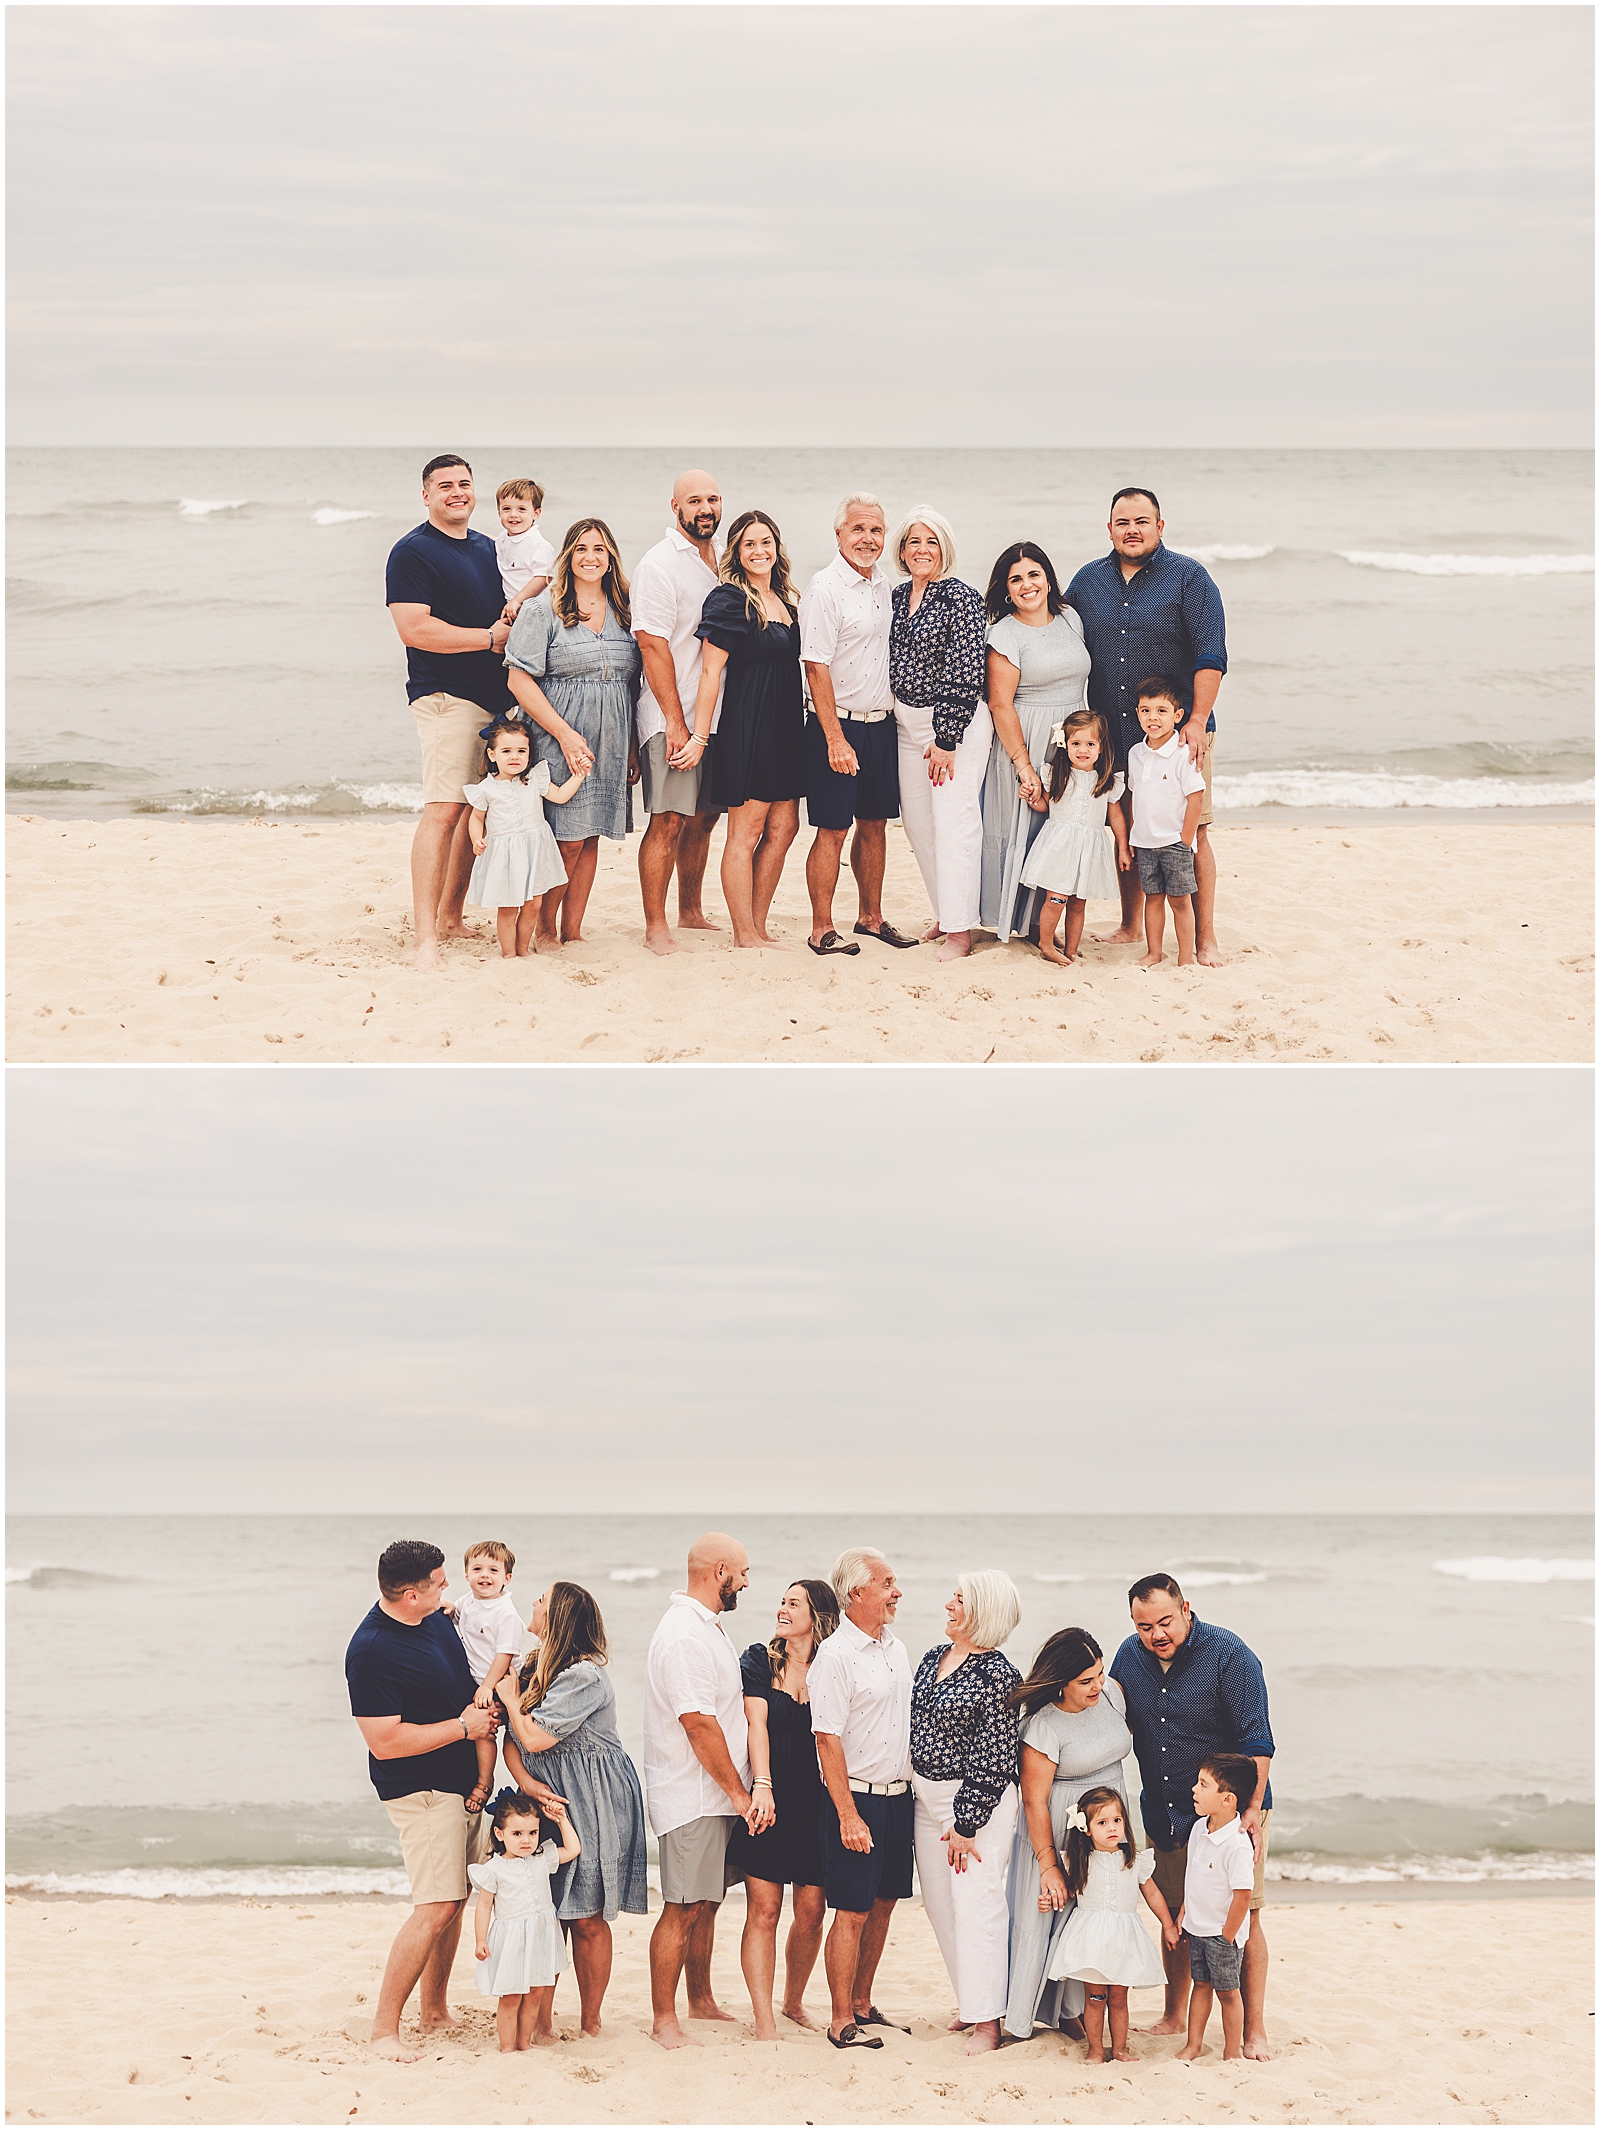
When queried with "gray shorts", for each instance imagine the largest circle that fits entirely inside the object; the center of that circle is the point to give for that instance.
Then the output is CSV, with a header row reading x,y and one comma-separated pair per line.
x,y
1215,1961
673,791
1168,871
694,1860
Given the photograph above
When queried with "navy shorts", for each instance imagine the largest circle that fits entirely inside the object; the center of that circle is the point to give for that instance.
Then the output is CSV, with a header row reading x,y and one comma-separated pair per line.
x,y
1215,1961
853,1881
833,801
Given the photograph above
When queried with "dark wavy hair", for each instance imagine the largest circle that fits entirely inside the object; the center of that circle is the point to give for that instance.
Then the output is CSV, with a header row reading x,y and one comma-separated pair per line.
x,y
824,1621
1064,1656
1079,1845
1104,762
998,600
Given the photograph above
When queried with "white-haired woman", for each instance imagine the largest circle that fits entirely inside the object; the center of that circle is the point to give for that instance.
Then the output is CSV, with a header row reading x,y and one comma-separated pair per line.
x,y
964,1745
936,669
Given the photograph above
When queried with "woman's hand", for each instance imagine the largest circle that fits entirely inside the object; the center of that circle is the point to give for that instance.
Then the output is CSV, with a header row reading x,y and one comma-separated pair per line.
x,y
941,762
690,754
544,1797
1052,1888
1031,788
633,765
507,1689
959,1847
576,750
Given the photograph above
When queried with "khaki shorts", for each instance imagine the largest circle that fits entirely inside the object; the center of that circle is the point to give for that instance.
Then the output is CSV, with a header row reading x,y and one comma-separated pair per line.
x,y
1172,1863
452,753
438,1839
673,791
1205,808
694,1860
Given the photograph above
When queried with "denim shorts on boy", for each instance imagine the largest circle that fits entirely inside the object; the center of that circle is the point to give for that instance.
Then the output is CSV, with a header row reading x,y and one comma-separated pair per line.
x,y
853,1881
1168,871
834,801
1215,1961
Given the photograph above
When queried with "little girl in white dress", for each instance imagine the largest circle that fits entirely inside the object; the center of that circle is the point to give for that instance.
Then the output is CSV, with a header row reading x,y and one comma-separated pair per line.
x,y
1104,1945
1071,857
519,1948
518,861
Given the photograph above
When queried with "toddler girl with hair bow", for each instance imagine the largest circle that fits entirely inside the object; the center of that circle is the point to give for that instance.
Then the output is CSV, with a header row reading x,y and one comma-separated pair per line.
x,y
1071,857
1104,1945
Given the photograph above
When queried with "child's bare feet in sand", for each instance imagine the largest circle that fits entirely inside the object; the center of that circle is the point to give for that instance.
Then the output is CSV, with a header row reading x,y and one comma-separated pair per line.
x,y
390,2046
1149,961
1191,2052
1123,936
1052,952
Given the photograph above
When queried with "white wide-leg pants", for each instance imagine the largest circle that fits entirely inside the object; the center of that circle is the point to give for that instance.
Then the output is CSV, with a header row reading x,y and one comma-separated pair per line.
x,y
944,822
967,1908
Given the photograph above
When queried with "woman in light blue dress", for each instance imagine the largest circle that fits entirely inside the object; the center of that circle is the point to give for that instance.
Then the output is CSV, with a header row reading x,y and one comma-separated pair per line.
x,y
574,669
561,1736
1038,670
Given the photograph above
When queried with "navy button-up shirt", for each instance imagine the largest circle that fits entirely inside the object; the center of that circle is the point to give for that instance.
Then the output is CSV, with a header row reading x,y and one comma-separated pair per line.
x,y
1167,618
1212,1698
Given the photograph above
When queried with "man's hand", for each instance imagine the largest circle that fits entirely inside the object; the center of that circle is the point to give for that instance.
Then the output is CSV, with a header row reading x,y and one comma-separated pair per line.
x,y
1193,735
500,634
677,732
842,758
1124,858
855,1833
480,1722
1250,1820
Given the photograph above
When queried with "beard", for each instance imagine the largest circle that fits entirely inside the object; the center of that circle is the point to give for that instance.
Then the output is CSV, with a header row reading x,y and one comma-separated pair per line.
x,y
728,1594
690,527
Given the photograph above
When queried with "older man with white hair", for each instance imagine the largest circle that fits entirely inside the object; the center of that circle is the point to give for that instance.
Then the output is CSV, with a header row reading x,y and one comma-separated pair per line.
x,y
852,744
860,1686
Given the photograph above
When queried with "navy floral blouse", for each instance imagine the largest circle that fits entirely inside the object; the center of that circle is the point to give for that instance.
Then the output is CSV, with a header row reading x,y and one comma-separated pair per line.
x,y
962,1731
936,655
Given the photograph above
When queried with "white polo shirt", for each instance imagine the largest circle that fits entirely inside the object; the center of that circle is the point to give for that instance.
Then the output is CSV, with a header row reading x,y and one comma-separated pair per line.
x,y
691,1668
668,591
845,620
1219,1866
861,1694
489,1628
521,556
1161,779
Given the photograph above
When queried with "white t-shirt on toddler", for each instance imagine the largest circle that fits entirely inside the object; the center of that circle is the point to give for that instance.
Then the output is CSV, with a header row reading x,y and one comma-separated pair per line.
x,y
523,555
489,1628
1160,780
1219,1866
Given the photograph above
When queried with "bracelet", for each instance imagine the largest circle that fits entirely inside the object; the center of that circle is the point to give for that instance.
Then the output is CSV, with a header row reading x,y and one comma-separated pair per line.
x,y
760,1782
463,1723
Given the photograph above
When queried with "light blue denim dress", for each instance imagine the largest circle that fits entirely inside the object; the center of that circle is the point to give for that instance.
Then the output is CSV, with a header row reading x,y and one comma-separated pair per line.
x,y
1053,672
590,1768
593,682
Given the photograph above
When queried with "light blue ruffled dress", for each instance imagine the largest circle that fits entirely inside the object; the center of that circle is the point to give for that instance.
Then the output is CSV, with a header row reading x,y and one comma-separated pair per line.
x,y
520,860
1075,852
1052,674
593,682
526,1948
591,1769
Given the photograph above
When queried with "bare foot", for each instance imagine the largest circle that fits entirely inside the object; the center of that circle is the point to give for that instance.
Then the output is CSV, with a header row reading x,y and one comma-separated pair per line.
x,y
959,2026
669,2035
572,939
710,2009
1209,956
659,940
390,2046
1255,2047
426,955
443,2019
697,922
956,947
758,939
542,2041
1053,953
1122,937
1191,2054
546,942
456,928
590,2033
801,2018
1169,2023
766,2029
1149,961
1123,2056
931,934
984,2037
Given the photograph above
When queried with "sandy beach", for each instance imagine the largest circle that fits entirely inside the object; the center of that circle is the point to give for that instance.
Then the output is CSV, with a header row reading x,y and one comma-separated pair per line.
x,y
126,2011
259,941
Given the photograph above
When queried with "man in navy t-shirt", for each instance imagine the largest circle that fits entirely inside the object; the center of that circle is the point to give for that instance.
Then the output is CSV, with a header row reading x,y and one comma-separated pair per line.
x,y
443,589
411,1695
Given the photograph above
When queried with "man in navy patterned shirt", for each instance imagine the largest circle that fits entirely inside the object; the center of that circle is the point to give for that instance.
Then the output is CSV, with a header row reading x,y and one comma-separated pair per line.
x,y
1146,611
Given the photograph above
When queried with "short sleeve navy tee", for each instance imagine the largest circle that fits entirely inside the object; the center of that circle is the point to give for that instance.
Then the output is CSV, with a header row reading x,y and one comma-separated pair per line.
x,y
457,581
421,1675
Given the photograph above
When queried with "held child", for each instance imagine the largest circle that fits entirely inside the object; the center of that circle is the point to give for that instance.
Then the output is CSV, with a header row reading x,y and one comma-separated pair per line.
x,y
518,862
1071,855
490,1628
527,560
1103,1944
1218,1880
519,1948
1167,792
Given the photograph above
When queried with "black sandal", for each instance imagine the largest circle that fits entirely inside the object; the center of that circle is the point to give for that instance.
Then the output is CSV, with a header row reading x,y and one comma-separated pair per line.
x,y
873,2017
852,2037
831,943
891,938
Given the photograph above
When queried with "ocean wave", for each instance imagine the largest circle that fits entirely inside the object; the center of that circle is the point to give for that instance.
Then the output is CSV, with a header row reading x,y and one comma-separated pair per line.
x,y
51,1578
69,776
193,507
1543,1866
1205,1578
1060,1578
1468,565
285,1881
1488,1568
1229,554
329,516
1578,1619
1385,788
634,1575
345,799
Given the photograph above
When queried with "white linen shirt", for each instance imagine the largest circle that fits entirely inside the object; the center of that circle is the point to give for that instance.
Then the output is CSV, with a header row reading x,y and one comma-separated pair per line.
x,y
692,1668
1160,780
668,592
521,556
845,620
489,1628
861,1694
1219,1866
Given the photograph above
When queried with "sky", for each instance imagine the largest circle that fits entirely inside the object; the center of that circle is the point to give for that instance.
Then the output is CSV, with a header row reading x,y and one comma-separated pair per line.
x,y
720,1291
1033,225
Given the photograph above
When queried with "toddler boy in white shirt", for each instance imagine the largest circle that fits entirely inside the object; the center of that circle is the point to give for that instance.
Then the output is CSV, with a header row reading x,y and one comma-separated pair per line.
x,y
527,560
1167,793
491,1634
1218,1880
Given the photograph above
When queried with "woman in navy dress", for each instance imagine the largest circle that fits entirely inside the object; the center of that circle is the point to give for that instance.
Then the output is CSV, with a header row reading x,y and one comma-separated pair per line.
x,y
751,635
783,1761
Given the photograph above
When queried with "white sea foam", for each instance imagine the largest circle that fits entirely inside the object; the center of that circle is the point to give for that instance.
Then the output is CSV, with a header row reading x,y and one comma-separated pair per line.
x,y
193,507
340,517
1489,1568
204,1883
1383,788
634,1575
1229,554
370,798
1468,565
1578,1619
1453,1870
1061,1578
19,1575
1203,1578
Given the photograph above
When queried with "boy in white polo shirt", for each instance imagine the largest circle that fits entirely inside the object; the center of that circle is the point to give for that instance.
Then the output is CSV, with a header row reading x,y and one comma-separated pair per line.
x,y
1218,1881
1167,792
491,1634
527,560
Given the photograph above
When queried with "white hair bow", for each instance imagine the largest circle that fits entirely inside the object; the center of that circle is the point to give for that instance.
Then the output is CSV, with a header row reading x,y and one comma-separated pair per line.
x,y
1076,1819
1058,735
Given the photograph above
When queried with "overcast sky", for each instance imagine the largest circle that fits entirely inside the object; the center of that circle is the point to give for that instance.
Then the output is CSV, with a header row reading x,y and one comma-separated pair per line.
x,y
778,225
719,1291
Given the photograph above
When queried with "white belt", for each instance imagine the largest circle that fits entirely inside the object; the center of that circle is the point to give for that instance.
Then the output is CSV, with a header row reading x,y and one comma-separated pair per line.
x,y
880,1789
866,717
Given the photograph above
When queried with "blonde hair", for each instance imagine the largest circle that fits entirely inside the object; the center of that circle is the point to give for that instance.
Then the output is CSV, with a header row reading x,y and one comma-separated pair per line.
x,y
939,526
492,1548
993,1609
573,1630
733,569
522,491
563,594
860,495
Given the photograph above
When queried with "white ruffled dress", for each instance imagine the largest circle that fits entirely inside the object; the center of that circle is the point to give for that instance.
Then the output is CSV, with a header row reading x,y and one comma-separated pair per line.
x,y
520,860
1104,1939
526,1948
1075,852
